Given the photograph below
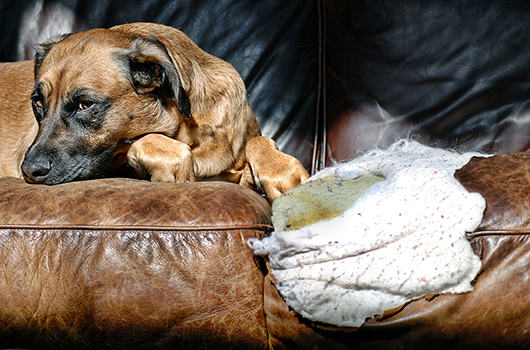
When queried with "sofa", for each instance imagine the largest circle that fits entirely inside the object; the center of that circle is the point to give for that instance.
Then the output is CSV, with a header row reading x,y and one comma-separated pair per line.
x,y
120,263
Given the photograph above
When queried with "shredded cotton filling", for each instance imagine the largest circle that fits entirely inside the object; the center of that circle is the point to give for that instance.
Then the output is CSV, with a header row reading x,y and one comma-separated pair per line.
x,y
401,240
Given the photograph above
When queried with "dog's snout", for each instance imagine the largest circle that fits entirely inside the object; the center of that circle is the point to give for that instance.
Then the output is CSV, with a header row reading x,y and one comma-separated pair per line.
x,y
36,171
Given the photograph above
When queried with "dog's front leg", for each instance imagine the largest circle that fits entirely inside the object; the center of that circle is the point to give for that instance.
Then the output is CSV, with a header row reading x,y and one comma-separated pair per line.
x,y
273,171
165,159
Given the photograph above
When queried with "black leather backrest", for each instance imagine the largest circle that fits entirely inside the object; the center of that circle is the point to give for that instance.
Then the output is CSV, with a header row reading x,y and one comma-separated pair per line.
x,y
454,72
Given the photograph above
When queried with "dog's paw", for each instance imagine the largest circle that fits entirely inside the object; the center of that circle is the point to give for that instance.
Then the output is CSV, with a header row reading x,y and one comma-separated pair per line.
x,y
291,174
165,159
273,171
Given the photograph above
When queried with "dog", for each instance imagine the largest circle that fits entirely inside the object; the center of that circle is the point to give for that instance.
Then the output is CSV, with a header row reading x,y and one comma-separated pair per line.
x,y
142,97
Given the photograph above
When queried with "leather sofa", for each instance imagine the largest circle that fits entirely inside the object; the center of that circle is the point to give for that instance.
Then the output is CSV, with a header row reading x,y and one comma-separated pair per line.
x,y
128,264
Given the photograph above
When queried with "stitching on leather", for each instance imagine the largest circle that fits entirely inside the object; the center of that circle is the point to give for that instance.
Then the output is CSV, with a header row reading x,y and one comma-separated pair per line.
x,y
498,233
260,227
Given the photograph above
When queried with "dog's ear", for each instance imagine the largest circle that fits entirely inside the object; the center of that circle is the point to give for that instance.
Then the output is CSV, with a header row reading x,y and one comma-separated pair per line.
x,y
41,50
151,70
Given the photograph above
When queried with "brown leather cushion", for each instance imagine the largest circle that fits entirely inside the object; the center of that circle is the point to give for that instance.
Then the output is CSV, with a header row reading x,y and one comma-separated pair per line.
x,y
493,316
121,264
128,202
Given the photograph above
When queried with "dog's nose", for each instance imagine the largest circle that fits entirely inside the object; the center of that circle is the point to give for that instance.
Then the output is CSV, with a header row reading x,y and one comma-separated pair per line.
x,y
36,171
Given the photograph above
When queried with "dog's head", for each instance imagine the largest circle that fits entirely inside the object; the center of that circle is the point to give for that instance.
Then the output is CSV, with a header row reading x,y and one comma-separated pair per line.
x,y
94,92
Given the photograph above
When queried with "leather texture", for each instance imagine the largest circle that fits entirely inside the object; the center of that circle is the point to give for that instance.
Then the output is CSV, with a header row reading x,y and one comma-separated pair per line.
x,y
452,74
504,180
129,264
132,203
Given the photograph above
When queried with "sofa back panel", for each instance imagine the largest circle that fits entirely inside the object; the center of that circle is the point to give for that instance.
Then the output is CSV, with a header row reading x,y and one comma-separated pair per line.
x,y
128,289
453,73
273,44
118,203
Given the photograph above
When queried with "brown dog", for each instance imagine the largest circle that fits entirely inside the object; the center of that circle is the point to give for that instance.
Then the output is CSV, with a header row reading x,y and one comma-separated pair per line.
x,y
142,94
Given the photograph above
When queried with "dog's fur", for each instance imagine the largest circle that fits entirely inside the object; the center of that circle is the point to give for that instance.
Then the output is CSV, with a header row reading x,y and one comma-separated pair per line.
x,y
18,126
139,95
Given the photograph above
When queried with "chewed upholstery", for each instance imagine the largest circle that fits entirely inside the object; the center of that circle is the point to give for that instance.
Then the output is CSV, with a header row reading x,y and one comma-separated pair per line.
x,y
493,316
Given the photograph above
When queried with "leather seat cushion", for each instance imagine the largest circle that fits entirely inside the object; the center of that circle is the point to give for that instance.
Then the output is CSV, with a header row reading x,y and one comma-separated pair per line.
x,y
123,264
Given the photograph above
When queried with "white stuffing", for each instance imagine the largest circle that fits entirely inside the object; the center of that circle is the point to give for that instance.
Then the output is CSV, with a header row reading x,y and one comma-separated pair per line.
x,y
403,239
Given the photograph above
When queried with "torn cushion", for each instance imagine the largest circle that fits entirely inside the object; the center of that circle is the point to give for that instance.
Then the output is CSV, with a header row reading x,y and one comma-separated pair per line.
x,y
403,238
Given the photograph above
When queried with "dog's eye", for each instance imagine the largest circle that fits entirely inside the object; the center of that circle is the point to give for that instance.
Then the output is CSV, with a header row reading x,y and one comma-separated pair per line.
x,y
84,105
38,103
